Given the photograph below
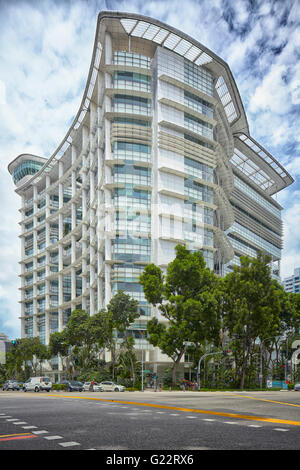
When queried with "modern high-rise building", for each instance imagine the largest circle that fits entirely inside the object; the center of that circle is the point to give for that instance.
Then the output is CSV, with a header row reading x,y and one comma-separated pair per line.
x,y
159,153
292,283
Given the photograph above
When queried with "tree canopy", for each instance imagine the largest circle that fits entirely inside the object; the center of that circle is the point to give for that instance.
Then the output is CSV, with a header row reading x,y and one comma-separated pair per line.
x,y
189,297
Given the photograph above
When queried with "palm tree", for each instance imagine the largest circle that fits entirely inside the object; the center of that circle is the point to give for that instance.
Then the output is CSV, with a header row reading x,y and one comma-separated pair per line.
x,y
128,365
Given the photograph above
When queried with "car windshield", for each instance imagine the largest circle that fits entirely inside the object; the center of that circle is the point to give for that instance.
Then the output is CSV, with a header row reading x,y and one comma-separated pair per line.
x,y
46,379
75,383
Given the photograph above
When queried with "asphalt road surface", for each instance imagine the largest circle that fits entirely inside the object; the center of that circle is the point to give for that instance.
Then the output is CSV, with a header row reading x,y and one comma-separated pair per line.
x,y
175,421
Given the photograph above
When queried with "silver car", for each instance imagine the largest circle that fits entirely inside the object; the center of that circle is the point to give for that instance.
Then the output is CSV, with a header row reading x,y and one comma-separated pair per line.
x,y
297,387
109,386
11,385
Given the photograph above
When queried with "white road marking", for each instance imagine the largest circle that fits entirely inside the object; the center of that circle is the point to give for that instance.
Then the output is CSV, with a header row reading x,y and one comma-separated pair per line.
x,y
40,432
20,422
29,427
69,444
51,438
254,426
13,419
280,429
207,419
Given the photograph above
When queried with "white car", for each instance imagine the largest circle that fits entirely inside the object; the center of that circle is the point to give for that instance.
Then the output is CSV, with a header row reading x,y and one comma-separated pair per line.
x,y
96,387
37,384
112,387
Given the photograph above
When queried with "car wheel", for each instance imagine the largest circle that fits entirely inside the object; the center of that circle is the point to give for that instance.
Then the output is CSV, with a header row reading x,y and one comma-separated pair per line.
x,y
116,389
36,389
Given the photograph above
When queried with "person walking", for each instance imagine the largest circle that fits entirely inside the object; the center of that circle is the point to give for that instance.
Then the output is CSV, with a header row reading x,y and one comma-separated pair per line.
x,y
92,386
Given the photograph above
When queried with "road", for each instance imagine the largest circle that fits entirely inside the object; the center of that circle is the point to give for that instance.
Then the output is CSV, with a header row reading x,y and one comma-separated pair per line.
x,y
185,421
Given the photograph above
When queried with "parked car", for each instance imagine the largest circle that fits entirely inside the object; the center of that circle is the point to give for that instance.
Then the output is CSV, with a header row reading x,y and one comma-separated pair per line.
x,y
72,385
297,387
11,385
112,387
96,387
37,384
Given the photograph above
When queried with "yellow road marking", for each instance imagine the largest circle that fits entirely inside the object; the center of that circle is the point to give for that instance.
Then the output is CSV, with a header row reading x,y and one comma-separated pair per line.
x,y
191,410
264,399
21,434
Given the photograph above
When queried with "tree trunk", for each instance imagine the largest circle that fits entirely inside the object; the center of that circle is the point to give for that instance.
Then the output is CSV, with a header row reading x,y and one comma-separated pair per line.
x,y
132,372
174,370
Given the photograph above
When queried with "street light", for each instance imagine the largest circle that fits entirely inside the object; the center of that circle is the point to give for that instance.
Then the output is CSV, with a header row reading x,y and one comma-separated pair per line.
x,y
199,365
142,347
261,369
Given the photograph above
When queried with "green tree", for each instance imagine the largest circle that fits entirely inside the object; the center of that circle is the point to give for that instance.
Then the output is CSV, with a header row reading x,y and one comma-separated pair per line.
x,y
58,346
25,354
189,297
253,303
123,311
128,367
40,353
83,337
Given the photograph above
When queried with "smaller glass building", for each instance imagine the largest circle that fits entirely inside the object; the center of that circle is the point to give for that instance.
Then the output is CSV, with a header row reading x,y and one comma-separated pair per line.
x,y
292,283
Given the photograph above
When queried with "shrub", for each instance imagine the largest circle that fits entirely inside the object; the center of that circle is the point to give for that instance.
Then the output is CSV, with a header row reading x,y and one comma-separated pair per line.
x,y
58,386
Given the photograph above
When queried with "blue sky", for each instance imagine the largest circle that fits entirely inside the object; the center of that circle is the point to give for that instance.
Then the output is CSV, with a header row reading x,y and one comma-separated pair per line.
x,y
45,53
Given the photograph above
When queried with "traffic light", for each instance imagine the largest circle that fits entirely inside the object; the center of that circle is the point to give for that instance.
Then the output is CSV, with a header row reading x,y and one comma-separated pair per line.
x,y
226,352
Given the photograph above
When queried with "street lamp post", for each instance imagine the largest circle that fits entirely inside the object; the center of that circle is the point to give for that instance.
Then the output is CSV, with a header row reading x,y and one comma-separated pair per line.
x,y
261,367
199,366
142,367
142,347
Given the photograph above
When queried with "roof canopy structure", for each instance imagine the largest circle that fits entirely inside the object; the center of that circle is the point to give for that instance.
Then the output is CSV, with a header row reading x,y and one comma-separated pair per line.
x,y
250,158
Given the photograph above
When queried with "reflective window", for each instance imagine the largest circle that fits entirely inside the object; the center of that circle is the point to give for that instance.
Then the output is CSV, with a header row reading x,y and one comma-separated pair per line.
x,y
249,191
29,167
198,104
132,59
198,77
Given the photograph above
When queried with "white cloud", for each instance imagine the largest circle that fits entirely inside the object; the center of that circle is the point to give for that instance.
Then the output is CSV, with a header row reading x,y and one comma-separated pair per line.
x,y
272,93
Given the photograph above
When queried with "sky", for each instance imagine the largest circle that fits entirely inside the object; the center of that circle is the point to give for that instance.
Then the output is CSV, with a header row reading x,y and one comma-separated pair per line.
x,y
45,54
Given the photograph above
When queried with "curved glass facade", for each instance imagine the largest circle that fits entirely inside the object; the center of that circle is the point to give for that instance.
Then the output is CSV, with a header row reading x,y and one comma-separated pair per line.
x,y
150,161
28,167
